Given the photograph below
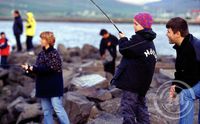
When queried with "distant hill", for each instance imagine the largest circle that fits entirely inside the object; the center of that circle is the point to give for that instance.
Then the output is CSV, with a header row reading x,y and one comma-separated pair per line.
x,y
68,8
56,9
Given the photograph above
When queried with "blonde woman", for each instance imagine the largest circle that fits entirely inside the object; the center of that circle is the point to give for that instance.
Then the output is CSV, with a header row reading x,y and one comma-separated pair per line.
x,y
49,81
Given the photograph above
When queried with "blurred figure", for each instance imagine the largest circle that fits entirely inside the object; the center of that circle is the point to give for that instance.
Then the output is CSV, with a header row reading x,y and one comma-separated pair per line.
x,y
4,50
108,52
49,79
136,69
30,31
18,29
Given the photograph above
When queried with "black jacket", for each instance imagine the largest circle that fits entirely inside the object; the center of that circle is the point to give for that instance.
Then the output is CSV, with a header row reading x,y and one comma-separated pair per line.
x,y
18,26
111,48
187,63
49,78
136,68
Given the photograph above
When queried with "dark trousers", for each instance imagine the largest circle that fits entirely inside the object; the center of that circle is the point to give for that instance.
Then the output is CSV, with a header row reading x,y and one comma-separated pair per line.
x,y
18,40
4,63
109,67
133,109
29,44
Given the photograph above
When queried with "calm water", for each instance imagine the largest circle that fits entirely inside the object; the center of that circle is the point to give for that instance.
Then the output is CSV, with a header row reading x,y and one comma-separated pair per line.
x,y
78,34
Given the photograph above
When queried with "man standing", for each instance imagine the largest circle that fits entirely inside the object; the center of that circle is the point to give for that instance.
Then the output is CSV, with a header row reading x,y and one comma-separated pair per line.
x,y
187,67
108,52
18,29
136,69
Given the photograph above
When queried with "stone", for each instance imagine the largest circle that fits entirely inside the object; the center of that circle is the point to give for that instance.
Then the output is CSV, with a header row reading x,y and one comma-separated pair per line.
x,y
93,80
106,118
111,106
77,107
99,94
89,51
168,73
116,92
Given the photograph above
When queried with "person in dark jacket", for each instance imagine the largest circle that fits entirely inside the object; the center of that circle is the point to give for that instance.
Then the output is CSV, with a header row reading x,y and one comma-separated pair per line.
x,y
49,81
108,51
18,29
135,71
4,50
187,75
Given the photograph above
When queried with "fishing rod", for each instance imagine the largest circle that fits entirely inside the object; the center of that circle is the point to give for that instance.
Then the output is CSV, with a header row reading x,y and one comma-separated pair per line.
x,y
106,16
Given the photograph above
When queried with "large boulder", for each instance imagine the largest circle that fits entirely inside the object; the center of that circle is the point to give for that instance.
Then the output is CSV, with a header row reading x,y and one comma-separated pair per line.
x,y
63,52
78,107
28,111
92,67
111,106
106,118
89,51
67,76
93,93
92,80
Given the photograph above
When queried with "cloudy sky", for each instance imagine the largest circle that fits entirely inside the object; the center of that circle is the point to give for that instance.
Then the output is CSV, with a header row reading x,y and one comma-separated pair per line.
x,y
138,2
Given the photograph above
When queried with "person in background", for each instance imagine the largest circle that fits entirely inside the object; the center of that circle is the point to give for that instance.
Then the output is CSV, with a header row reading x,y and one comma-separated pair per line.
x,y
30,31
49,79
108,52
135,71
4,50
18,29
187,68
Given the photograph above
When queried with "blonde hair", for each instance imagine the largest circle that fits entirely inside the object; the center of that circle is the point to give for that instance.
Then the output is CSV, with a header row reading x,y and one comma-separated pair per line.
x,y
49,37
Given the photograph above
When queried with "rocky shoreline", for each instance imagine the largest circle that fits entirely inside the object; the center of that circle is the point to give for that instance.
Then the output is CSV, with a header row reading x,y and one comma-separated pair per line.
x,y
88,97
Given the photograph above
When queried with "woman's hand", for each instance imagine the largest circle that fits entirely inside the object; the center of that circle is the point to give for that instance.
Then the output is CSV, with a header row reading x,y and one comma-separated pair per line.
x,y
27,67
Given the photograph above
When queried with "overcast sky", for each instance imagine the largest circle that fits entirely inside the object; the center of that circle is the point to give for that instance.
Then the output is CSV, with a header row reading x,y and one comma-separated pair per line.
x,y
138,2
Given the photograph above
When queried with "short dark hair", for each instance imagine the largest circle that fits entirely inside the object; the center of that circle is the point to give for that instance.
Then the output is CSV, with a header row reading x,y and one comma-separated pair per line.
x,y
17,12
2,33
178,24
103,31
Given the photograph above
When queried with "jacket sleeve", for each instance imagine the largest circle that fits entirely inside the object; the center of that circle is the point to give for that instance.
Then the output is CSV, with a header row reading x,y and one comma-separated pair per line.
x,y
127,47
4,45
20,25
54,64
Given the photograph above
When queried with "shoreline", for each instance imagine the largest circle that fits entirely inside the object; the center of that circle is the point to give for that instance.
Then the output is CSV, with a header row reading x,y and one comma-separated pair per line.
x,y
85,20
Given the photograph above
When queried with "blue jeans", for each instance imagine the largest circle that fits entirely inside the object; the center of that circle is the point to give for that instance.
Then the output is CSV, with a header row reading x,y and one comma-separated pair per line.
x,y
187,98
54,103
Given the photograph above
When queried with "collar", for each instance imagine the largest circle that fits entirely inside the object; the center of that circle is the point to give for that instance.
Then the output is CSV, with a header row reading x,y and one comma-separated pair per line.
x,y
184,43
51,48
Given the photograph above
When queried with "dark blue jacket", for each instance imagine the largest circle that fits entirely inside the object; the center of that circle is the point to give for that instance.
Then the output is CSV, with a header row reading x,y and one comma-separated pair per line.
x,y
187,63
18,26
136,68
49,79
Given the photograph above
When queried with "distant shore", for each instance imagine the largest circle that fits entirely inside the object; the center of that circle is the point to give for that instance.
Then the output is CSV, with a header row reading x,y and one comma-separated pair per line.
x,y
86,20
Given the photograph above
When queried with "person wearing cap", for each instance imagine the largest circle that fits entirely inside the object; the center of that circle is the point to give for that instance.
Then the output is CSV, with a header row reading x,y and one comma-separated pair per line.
x,y
187,65
4,50
30,31
135,71
49,79
108,52
18,29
